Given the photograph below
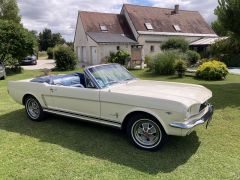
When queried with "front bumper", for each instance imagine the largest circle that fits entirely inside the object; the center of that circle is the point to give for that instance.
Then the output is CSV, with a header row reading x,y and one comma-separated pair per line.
x,y
188,125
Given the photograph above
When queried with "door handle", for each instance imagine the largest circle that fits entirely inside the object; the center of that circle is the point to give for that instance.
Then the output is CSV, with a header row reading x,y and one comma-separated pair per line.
x,y
53,89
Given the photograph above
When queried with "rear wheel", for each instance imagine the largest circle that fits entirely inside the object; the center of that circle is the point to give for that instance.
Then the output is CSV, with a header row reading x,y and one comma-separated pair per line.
x,y
34,109
146,133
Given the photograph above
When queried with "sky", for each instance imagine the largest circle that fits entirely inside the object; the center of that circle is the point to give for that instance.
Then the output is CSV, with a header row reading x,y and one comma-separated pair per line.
x,y
61,15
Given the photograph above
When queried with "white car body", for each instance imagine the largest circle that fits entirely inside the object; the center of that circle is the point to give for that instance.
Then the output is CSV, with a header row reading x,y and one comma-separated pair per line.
x,y
175,105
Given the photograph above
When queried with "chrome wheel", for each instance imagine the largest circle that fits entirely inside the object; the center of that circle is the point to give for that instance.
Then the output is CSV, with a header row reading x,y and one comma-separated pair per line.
x,y
146,133
33,108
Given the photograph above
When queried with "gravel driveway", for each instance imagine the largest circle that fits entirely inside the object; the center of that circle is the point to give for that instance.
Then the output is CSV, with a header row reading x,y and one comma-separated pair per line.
x,y
41,64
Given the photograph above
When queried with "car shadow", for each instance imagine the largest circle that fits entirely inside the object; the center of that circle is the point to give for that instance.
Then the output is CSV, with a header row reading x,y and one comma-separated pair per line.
x,y
102,142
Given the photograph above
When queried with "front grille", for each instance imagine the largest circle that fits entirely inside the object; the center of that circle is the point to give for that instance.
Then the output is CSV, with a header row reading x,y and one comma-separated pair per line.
x,y
203,106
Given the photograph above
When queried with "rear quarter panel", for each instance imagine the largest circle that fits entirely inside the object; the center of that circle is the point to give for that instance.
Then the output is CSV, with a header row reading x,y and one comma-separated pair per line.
x,y
18,89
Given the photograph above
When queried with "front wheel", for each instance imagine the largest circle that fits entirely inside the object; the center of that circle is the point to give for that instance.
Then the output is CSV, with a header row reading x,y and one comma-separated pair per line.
x,y
34,109
146,133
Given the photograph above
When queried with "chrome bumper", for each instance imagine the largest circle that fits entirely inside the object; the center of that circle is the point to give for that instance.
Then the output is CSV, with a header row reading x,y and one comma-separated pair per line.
x,y
190,124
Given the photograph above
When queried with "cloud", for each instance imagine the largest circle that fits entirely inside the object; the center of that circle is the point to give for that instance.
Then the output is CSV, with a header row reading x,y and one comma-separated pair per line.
x,y
61,16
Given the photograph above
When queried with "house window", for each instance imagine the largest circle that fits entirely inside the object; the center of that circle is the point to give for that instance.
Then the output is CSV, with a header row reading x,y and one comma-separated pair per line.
x,y
177,28
118,48
152,48
103,28
149,26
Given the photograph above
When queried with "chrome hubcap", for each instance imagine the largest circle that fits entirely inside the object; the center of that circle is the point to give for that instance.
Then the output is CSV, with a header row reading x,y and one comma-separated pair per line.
x,y
33,108
146,133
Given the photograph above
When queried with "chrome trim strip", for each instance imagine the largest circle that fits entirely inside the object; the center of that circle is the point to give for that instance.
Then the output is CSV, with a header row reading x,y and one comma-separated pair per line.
x,y
86,118
195,122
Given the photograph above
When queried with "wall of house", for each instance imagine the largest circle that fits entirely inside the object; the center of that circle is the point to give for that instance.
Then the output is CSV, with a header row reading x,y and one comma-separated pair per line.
x,y
156,40
82,41
105,49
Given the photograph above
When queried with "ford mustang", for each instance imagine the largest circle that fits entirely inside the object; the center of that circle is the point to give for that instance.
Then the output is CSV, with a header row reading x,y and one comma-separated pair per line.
x,y
108,94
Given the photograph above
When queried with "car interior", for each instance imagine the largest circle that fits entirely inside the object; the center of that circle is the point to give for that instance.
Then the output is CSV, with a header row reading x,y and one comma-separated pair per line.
x,y
70,80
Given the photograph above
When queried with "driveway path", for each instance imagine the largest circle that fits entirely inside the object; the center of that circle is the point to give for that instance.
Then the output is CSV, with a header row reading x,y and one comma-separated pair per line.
x,y
234,71
41,64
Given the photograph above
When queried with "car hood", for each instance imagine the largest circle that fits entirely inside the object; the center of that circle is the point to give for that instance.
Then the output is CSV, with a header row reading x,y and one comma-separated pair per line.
x,y
186,94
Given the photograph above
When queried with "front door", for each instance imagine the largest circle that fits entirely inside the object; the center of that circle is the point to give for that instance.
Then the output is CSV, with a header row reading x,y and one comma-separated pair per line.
x,y
82,101
94,55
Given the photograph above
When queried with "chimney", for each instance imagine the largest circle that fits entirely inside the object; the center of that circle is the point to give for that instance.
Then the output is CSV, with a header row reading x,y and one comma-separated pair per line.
x,y
176,9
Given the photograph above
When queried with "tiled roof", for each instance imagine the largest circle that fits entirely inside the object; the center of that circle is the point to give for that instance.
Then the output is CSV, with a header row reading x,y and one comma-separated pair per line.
x,y
163,20
115,23
105,37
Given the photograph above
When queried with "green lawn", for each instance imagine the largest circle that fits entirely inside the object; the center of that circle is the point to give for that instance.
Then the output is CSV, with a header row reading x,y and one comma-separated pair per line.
x,y
62,148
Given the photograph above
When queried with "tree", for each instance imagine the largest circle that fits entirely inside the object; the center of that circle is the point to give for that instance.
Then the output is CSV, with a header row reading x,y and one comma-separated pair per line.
x,y
228,13
9,11
175,44
57,39
16,42
48,39
219,29
45,38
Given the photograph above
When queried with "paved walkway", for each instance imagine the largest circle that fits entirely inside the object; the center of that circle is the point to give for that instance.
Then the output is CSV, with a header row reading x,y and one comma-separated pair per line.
x,y
41,64
234,71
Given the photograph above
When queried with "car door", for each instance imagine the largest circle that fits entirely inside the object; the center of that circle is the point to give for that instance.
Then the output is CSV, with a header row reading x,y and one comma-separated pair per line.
x,y
76,100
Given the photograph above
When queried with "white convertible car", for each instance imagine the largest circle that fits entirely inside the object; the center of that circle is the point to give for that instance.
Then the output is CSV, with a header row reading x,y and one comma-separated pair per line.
x,y
149,111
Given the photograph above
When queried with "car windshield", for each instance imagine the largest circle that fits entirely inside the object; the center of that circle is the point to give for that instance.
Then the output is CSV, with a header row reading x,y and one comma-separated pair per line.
x,y
107,75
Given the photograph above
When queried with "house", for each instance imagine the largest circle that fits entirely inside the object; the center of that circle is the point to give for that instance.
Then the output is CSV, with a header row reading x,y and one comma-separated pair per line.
x,y
140,30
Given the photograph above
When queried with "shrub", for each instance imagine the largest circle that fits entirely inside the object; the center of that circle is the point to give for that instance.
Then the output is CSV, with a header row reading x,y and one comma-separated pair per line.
x,y
149,61
232,60
227,51
212,70
193,57
50,52
180,66
120,57
164,62
65,58
175,44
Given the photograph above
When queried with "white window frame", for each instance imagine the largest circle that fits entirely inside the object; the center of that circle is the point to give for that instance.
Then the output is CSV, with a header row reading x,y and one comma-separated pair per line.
x,y
177,28
148,26
103,28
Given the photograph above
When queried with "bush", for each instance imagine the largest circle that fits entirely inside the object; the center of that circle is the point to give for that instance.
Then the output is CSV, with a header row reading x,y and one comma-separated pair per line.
x,y
164,62
149,61
212,70
180,66
232,60
193,57
65,58
227,51
50,52
175,44
120,57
